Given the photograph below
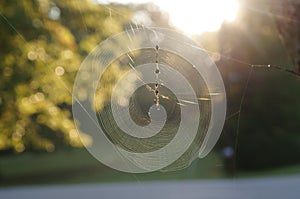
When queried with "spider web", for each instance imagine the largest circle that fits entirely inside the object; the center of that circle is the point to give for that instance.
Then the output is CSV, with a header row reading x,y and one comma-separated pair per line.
x,y
142,100
140,129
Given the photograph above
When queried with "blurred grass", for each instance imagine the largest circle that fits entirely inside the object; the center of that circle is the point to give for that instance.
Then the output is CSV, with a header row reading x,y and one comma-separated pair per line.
x,y
287,170
78,166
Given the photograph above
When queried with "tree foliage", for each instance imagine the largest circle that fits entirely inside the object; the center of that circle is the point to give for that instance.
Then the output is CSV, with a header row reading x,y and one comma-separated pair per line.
x,y
267,133
42,46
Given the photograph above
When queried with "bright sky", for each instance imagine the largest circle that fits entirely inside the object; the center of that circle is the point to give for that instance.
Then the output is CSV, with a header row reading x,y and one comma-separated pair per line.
x,y
195,16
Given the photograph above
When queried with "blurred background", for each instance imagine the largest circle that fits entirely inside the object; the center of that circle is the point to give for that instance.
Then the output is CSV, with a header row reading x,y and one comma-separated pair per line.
x,y
43,42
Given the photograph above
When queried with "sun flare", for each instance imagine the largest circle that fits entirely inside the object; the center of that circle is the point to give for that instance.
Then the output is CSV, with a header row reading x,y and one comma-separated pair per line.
x,y
200,16
194,16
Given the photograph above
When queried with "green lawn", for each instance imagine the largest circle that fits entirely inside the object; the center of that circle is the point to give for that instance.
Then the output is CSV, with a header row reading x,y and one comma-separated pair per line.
x,y
78,166
287,170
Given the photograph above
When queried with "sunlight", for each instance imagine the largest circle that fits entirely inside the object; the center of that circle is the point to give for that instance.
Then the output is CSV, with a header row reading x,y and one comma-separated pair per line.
x,y
197,17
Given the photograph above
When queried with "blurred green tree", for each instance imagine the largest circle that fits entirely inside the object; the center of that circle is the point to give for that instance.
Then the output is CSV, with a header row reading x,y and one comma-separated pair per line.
x,y
42,44
269,121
